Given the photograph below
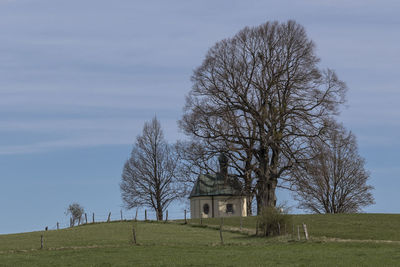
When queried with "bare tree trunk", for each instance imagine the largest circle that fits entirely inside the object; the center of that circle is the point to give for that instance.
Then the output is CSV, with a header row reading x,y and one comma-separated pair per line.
x,y
268,175
265,192
266,197
249,210
159,214
271,194
248,185
258,200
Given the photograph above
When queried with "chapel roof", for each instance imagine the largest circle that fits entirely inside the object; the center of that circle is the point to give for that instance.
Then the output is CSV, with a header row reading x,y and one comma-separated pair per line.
x,y
215,185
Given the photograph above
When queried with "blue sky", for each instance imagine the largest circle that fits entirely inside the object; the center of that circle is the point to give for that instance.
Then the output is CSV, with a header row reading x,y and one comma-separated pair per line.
x,y
79,78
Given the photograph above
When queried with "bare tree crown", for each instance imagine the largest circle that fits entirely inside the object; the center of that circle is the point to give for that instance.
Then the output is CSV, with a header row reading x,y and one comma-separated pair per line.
x,y
333,179
149,175
261,95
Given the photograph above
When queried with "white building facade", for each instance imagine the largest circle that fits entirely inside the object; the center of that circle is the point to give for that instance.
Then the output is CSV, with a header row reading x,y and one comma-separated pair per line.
x,y
217,195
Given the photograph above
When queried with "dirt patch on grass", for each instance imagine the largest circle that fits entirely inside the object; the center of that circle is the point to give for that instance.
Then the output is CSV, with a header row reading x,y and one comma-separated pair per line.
x,y
342,240
288,236
57,248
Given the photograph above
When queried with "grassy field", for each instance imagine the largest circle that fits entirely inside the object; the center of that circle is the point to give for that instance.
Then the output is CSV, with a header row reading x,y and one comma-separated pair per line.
x,y
174,244
345,226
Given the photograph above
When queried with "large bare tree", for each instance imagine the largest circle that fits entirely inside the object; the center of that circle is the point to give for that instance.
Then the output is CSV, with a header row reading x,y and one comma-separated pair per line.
x,y
149,175
333,179
262,93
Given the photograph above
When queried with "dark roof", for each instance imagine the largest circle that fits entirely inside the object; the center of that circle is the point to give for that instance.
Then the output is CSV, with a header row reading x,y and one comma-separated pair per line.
x,y
215,185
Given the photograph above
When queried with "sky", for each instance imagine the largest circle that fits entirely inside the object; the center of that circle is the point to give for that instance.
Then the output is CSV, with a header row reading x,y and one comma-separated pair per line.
x,y
78,79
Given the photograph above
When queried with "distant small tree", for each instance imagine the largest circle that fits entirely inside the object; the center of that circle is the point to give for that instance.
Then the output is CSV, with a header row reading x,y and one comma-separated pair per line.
x,y
334,179
76,211
149,176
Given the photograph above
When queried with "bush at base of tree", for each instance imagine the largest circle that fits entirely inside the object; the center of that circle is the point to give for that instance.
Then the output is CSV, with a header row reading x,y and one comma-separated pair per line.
x,y
274,221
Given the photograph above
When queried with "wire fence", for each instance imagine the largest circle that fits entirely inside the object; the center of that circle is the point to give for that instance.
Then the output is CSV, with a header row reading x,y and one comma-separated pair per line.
x,y
119,215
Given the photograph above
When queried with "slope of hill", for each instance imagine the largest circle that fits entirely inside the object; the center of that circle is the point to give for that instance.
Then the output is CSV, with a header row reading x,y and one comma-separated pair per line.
x,y
110,244
362,226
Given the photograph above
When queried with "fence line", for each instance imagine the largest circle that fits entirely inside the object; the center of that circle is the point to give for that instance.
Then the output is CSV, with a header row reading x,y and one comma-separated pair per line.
x,y
117,215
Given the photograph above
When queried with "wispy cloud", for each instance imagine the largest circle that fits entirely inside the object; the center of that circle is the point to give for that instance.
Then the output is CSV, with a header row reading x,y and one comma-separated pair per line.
x,y
76,133
63,144
114,66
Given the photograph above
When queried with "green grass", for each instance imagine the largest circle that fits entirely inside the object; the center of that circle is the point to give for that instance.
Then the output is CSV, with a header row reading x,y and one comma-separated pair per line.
x,y
344,226
353,226
288,254
115,234
174,244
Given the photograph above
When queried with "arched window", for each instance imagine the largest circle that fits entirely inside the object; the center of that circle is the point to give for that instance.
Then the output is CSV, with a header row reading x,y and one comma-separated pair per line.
x,y
206,208
229,208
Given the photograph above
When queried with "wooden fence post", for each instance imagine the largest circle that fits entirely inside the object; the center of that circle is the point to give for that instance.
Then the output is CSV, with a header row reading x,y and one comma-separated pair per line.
x,y
86,217
298,232
41,241
201,220
121,215
279,228
241,222
109,217
293,232
185,218
166,216
220,230
265,230
58,226
93,218
79,220
257,227
136,214
134,233
305,231
145,215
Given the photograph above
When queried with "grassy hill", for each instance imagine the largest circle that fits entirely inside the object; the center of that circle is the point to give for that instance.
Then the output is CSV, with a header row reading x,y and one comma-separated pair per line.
x,y
336,240
361,226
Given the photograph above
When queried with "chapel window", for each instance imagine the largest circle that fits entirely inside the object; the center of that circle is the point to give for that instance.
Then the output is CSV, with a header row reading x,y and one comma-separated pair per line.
x,y
206,208
229,208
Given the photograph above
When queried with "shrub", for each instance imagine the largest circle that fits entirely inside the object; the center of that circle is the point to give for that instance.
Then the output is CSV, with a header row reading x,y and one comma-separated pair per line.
x,y
76,211
274,220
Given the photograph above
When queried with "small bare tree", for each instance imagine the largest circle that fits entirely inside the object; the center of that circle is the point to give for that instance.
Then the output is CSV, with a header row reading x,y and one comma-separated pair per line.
x,y
333,180
149,176
76,211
